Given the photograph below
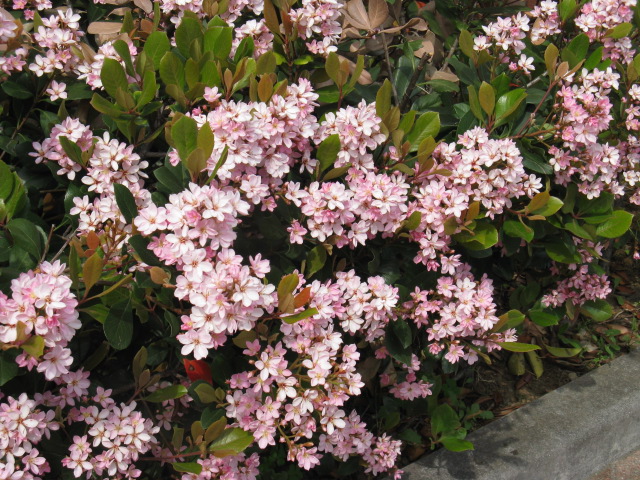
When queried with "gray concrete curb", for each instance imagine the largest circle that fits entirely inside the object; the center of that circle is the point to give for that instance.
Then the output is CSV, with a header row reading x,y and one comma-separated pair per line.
x,y
568,434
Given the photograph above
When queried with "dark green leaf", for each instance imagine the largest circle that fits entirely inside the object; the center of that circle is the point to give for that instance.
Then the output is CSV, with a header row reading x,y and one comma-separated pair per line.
x,y
185,136
156,46
454,444
187,467
518,347
118,326
316,259
140,245
8,366
616,226
232,442
113,76
16,90
328,151
29,237
126,202
168,393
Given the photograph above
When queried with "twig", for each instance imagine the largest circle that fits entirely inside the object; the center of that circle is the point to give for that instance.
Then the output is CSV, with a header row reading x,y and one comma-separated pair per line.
x,y
454,47
536,80
68,236
389,71
412,83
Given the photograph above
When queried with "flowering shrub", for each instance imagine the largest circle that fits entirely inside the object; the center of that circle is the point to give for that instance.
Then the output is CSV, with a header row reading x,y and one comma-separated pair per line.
x,y
236,234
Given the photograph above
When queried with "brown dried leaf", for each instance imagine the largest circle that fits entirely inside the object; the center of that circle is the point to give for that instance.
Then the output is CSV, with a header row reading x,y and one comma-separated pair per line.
x,y
444,75
427,48
102,28
378,13
145,5
357,14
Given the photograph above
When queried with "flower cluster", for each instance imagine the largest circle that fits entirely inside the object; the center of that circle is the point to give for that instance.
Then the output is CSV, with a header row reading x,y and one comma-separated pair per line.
x,y
22,426
458,315
598,17
41,306
484,170
353,213
231,467
226,295
585,112
318,22
263,138
578,289
115,437
58,34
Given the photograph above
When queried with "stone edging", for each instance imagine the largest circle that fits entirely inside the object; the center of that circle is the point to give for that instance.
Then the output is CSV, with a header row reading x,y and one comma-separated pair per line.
x,y
568,434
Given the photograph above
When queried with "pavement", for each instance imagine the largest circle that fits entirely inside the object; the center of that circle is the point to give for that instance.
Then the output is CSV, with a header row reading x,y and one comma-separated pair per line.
x,y
627,468
588,429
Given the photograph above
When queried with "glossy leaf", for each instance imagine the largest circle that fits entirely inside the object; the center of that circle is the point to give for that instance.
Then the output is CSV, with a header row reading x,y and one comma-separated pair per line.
x,y
171,392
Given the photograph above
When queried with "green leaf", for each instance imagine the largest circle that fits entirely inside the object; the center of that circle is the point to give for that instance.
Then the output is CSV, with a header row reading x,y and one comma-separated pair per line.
x,y
576,50
16,90
484,235
169,179
616,226
219,40
140,245
466,43
454,444
118,326
185,136
232,442
544,319
309,312
598,310
149,87
413,221
34,346
189,30
428,125
578,230
395,348
563,352
517,229
536,363
187,467
156,46
566,8
172,70
126,202
113,76
508,103
383,99
562,252
205,392
619,31
168,393
328,151
103,105
518,347
71,149
316,259
92,270
474,103
510,319
402,331
552,206
487,98
27,236
444,420
8,366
